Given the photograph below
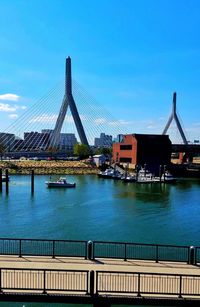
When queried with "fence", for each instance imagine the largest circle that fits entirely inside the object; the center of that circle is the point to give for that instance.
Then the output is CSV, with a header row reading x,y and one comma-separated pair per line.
x,y
197,255
98,249
109,283
36,247
34,280
147,283
141,251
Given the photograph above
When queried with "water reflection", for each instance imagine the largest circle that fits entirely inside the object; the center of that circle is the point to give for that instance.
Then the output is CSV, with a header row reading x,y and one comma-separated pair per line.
x,y
148,193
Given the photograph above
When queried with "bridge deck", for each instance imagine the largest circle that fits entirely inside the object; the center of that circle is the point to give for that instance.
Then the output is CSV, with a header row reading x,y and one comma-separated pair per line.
x,y
101,264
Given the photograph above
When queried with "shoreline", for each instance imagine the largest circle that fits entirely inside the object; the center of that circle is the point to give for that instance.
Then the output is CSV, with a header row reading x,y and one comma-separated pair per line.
x,y
48,167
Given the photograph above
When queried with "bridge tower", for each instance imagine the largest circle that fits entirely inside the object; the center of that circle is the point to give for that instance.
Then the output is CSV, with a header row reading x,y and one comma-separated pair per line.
x,y
68,100
175,117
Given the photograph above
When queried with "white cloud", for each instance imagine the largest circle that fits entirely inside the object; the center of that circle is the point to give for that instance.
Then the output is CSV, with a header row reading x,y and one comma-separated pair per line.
x,y
4,107
13,116
9,97
100,121
44,118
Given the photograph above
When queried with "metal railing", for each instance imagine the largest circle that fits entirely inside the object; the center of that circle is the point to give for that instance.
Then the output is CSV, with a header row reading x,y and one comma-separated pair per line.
x,y
109,282
141,251
34,280
112,283
99,249
39,247
197,255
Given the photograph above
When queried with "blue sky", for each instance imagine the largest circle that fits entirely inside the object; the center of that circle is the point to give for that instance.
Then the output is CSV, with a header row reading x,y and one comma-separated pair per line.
x,y
130,55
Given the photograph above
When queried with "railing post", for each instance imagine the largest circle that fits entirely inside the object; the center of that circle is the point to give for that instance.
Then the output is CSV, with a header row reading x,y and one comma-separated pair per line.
x,y
192,255
0,281
20,247
156,253
125,256
90,248
86,249
0,180
44,282
180,287
91,283
53,252
195,256
138,285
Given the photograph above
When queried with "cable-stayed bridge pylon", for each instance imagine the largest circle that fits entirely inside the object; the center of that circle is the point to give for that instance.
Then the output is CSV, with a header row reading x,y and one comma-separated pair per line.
x,y
68,101
174,117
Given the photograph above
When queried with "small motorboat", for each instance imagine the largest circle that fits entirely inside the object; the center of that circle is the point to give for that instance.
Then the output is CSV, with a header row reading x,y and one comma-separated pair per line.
x,y
128,178
60,183
4,178
108,173
144,176
167,177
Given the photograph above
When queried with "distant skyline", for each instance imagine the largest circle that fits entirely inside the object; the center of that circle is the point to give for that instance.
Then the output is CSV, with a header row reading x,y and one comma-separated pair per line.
x,y
129,55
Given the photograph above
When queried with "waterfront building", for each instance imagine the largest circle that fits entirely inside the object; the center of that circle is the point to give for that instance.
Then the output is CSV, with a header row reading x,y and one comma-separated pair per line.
x,y
119,138
140,149
40,140
99,160
35,140
103,141
7,140
67,141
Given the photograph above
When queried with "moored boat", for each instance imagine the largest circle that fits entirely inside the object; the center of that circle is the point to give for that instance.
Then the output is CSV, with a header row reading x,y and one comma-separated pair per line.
x,y
60,183
108,173
167,177
144,176
4,178
128,178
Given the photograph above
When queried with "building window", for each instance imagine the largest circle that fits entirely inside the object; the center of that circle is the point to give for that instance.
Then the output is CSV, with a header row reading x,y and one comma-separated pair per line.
x,y
127,160
125,147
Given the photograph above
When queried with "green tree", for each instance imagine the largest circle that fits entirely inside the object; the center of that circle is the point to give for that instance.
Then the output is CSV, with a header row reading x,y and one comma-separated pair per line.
x,y
105,151
81,150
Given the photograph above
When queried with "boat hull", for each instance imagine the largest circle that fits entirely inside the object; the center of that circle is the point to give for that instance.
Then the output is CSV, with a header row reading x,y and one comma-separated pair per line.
x,y
59,185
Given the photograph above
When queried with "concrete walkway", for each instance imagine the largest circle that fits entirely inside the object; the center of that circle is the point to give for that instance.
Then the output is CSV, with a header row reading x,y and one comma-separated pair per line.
x,y
68,263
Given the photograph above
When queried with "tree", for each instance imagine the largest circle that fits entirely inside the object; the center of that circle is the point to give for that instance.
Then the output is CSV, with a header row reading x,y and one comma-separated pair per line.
x,y
107,151
53,151
81,150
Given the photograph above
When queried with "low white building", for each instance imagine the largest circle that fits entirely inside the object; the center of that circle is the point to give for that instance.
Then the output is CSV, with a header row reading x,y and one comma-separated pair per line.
x,y
99,160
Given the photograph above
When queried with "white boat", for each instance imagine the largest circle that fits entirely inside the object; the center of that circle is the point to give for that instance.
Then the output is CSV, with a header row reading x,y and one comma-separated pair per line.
x,y
60,183
144,176
108,173
4,178
128,178
167,177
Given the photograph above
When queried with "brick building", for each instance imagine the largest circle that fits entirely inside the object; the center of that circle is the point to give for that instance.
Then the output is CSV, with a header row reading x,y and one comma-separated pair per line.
x,y
139,149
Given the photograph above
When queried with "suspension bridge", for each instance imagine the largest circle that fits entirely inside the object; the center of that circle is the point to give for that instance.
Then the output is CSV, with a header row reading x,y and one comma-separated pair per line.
x,y
45,127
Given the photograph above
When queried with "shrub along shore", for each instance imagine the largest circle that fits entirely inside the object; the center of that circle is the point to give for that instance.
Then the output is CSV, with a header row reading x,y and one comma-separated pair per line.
x,y
48,167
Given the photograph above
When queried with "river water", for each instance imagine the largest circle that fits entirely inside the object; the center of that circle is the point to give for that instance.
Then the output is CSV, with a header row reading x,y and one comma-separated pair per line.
x,y
100,209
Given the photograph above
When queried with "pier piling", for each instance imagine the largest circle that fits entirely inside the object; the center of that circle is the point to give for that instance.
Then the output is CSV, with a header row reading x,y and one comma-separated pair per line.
x,y
32,182
0,180
7,182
